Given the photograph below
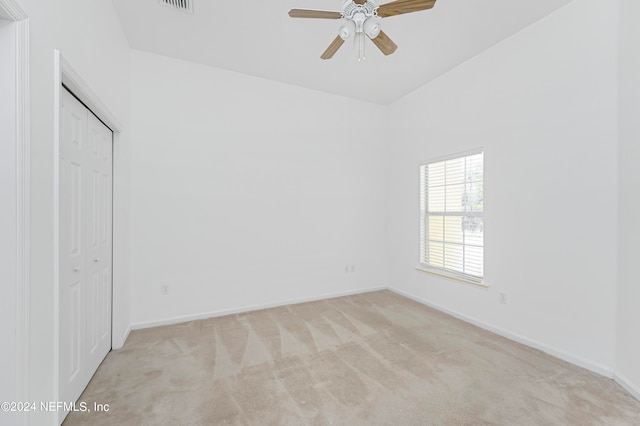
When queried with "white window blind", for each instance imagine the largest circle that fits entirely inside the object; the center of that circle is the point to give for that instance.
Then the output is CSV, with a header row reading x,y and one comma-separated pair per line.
x,y
451,216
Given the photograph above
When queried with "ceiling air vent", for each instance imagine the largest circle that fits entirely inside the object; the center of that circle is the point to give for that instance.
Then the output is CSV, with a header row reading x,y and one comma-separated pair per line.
x,y
183,5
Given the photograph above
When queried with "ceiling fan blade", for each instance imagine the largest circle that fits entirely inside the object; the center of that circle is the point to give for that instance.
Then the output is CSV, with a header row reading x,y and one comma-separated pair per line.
x,y
404,6
359,1
320,14
384,43
333,48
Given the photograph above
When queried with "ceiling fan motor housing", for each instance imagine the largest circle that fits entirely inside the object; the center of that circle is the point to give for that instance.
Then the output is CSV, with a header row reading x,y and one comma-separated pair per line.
x,y
360,18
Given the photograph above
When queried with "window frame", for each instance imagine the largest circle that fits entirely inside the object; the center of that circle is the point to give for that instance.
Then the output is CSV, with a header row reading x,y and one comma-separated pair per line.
x,y
423,213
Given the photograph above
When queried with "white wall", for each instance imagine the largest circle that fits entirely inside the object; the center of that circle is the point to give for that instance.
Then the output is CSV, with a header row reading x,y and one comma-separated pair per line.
x,y
89,35
628,349
543,105
247,192
8,224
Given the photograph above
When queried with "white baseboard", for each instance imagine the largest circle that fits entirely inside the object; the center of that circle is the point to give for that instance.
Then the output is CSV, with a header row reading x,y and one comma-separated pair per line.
x,y
633,389
589,365
118,344
223,312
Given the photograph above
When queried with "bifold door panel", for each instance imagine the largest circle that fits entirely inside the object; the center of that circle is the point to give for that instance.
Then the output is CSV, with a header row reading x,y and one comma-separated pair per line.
x,y
85,245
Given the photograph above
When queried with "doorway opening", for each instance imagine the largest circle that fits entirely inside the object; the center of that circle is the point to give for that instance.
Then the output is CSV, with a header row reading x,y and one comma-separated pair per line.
x,y
87,146
8,212
14,199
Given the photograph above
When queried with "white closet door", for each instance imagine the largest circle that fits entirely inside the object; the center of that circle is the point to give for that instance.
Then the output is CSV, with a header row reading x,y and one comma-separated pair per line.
x,y
98,242
85,246
73,140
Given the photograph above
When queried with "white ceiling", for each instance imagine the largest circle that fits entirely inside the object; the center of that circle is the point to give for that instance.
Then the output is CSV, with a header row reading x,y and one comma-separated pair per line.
x,y
258,38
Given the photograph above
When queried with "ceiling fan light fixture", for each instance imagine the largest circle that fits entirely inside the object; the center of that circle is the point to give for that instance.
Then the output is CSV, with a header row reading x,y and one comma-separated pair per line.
x,y
372,28
347,29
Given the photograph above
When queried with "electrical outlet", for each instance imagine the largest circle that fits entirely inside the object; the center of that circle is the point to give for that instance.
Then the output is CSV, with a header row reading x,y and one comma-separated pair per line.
x,y
352,269
164,290
502,298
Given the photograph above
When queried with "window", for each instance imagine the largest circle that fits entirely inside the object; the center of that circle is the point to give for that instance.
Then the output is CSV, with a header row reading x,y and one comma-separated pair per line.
x,y
451,216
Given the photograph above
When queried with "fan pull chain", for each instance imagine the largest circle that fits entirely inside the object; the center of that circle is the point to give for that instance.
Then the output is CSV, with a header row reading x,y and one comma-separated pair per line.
x,y
361,47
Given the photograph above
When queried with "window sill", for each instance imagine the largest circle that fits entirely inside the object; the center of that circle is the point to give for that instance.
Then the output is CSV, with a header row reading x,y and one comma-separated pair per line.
x,y
454,277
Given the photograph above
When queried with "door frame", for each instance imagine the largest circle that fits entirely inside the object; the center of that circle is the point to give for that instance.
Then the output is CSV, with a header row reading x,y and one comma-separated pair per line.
x,y
65,74
14,11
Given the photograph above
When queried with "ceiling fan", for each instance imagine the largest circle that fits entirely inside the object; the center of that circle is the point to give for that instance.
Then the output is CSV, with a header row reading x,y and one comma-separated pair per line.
x,y
362,17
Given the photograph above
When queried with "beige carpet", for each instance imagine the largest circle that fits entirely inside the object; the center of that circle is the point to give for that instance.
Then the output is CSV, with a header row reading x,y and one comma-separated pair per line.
x,y
371,359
